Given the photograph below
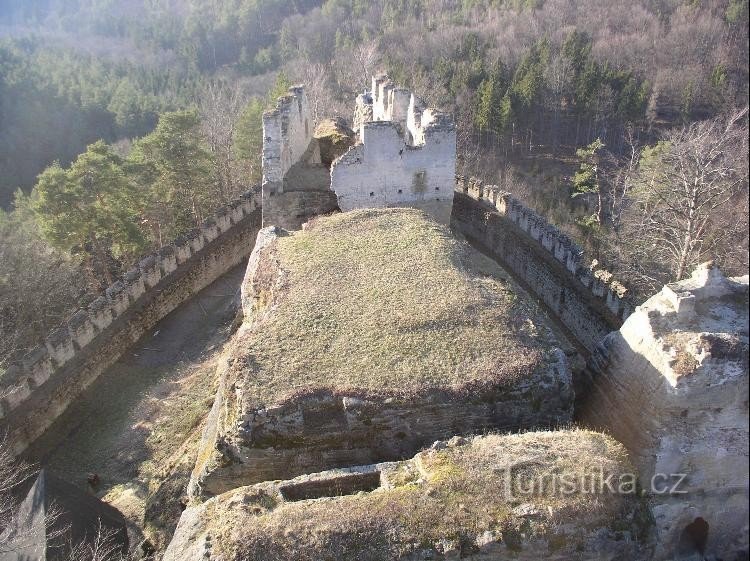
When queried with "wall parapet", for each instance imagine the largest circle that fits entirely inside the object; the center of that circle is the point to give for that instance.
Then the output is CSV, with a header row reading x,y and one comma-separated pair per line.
x,y
26,380
590,282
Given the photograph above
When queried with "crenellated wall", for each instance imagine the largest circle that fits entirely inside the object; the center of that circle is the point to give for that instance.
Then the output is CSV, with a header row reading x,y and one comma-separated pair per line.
x,y
406,155
51,376
585,298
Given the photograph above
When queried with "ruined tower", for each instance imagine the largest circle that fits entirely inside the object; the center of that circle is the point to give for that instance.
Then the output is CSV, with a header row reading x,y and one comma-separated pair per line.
x,y
406,155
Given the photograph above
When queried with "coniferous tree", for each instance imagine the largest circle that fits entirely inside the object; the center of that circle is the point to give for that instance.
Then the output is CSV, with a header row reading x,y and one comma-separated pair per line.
x,y
176,172
89,209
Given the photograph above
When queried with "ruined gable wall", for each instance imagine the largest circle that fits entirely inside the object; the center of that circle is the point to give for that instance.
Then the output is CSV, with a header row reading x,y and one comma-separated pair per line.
x,y
385,171
589,302
288,144
287,133
55,373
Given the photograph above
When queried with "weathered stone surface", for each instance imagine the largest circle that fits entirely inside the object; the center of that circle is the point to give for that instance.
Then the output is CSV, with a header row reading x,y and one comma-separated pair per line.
x,y
407,155
334,138
310,384
672,385
296,185
462,499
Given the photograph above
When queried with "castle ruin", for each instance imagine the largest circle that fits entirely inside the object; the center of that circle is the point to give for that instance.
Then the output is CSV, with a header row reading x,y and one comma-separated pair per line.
x,y
405,156
667,379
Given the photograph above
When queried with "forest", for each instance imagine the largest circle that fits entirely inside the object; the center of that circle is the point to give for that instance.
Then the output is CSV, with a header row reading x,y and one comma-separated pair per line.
x,y
123,124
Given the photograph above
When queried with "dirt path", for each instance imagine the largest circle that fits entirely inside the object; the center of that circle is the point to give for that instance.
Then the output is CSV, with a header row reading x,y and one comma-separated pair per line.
x,y
135,426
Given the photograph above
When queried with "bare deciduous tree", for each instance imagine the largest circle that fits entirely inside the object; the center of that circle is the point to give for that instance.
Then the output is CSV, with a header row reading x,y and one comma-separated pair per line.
x,y
220,106
684,182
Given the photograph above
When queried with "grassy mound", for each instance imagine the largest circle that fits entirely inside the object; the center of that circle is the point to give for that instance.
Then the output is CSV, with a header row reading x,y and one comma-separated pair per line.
x,y
383,300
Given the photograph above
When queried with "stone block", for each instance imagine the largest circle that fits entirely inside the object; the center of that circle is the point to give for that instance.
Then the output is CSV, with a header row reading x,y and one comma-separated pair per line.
x,y
167,259
236,213
82,328
59,344
100,312
17,395
38,364
223,219
150,271
118,297
209,229
134,285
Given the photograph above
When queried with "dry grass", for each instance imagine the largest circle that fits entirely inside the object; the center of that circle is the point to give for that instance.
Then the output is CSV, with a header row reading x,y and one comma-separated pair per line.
x,y
385,300
456,494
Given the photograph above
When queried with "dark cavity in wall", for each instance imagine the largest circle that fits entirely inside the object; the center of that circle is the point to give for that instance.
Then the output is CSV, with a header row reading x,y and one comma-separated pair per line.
x,y
346,484
693,539
419,182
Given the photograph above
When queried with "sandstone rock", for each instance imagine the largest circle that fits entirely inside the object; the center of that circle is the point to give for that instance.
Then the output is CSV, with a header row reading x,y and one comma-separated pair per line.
x,y
462,508
366,337
672,385
334,138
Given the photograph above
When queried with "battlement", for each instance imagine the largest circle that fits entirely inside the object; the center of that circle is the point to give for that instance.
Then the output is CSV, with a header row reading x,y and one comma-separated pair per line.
x,y
600,282
585,297
406,155
121,314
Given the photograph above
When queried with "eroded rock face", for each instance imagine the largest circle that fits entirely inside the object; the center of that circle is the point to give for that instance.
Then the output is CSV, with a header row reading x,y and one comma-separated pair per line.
x,y
334,138
672,385
322,375
461,499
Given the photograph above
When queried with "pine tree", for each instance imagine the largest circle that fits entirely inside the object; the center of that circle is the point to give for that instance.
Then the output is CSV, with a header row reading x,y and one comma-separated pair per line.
x,y
89,209
587,180
176,170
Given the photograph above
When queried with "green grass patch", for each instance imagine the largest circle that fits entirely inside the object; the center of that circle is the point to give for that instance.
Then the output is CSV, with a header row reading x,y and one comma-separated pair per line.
x,y
384,300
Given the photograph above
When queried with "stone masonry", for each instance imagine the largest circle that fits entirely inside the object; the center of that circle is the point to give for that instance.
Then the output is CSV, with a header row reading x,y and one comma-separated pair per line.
x,y
672,386
406,155
296,185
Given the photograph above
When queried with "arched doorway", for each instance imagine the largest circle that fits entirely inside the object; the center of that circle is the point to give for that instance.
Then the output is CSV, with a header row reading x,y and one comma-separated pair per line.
x,y
693,538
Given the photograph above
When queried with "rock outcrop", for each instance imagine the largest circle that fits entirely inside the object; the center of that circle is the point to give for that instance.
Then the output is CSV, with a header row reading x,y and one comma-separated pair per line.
x,y
367,336
672,386
486,498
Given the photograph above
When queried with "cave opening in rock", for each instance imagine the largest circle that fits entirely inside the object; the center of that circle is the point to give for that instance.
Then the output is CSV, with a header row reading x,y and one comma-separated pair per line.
x,y
693,538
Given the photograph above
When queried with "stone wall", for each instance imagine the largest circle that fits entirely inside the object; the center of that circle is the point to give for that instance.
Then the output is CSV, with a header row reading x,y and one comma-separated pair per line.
x,y
406,157
586,299
672,386
56,372
287,132
296,186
